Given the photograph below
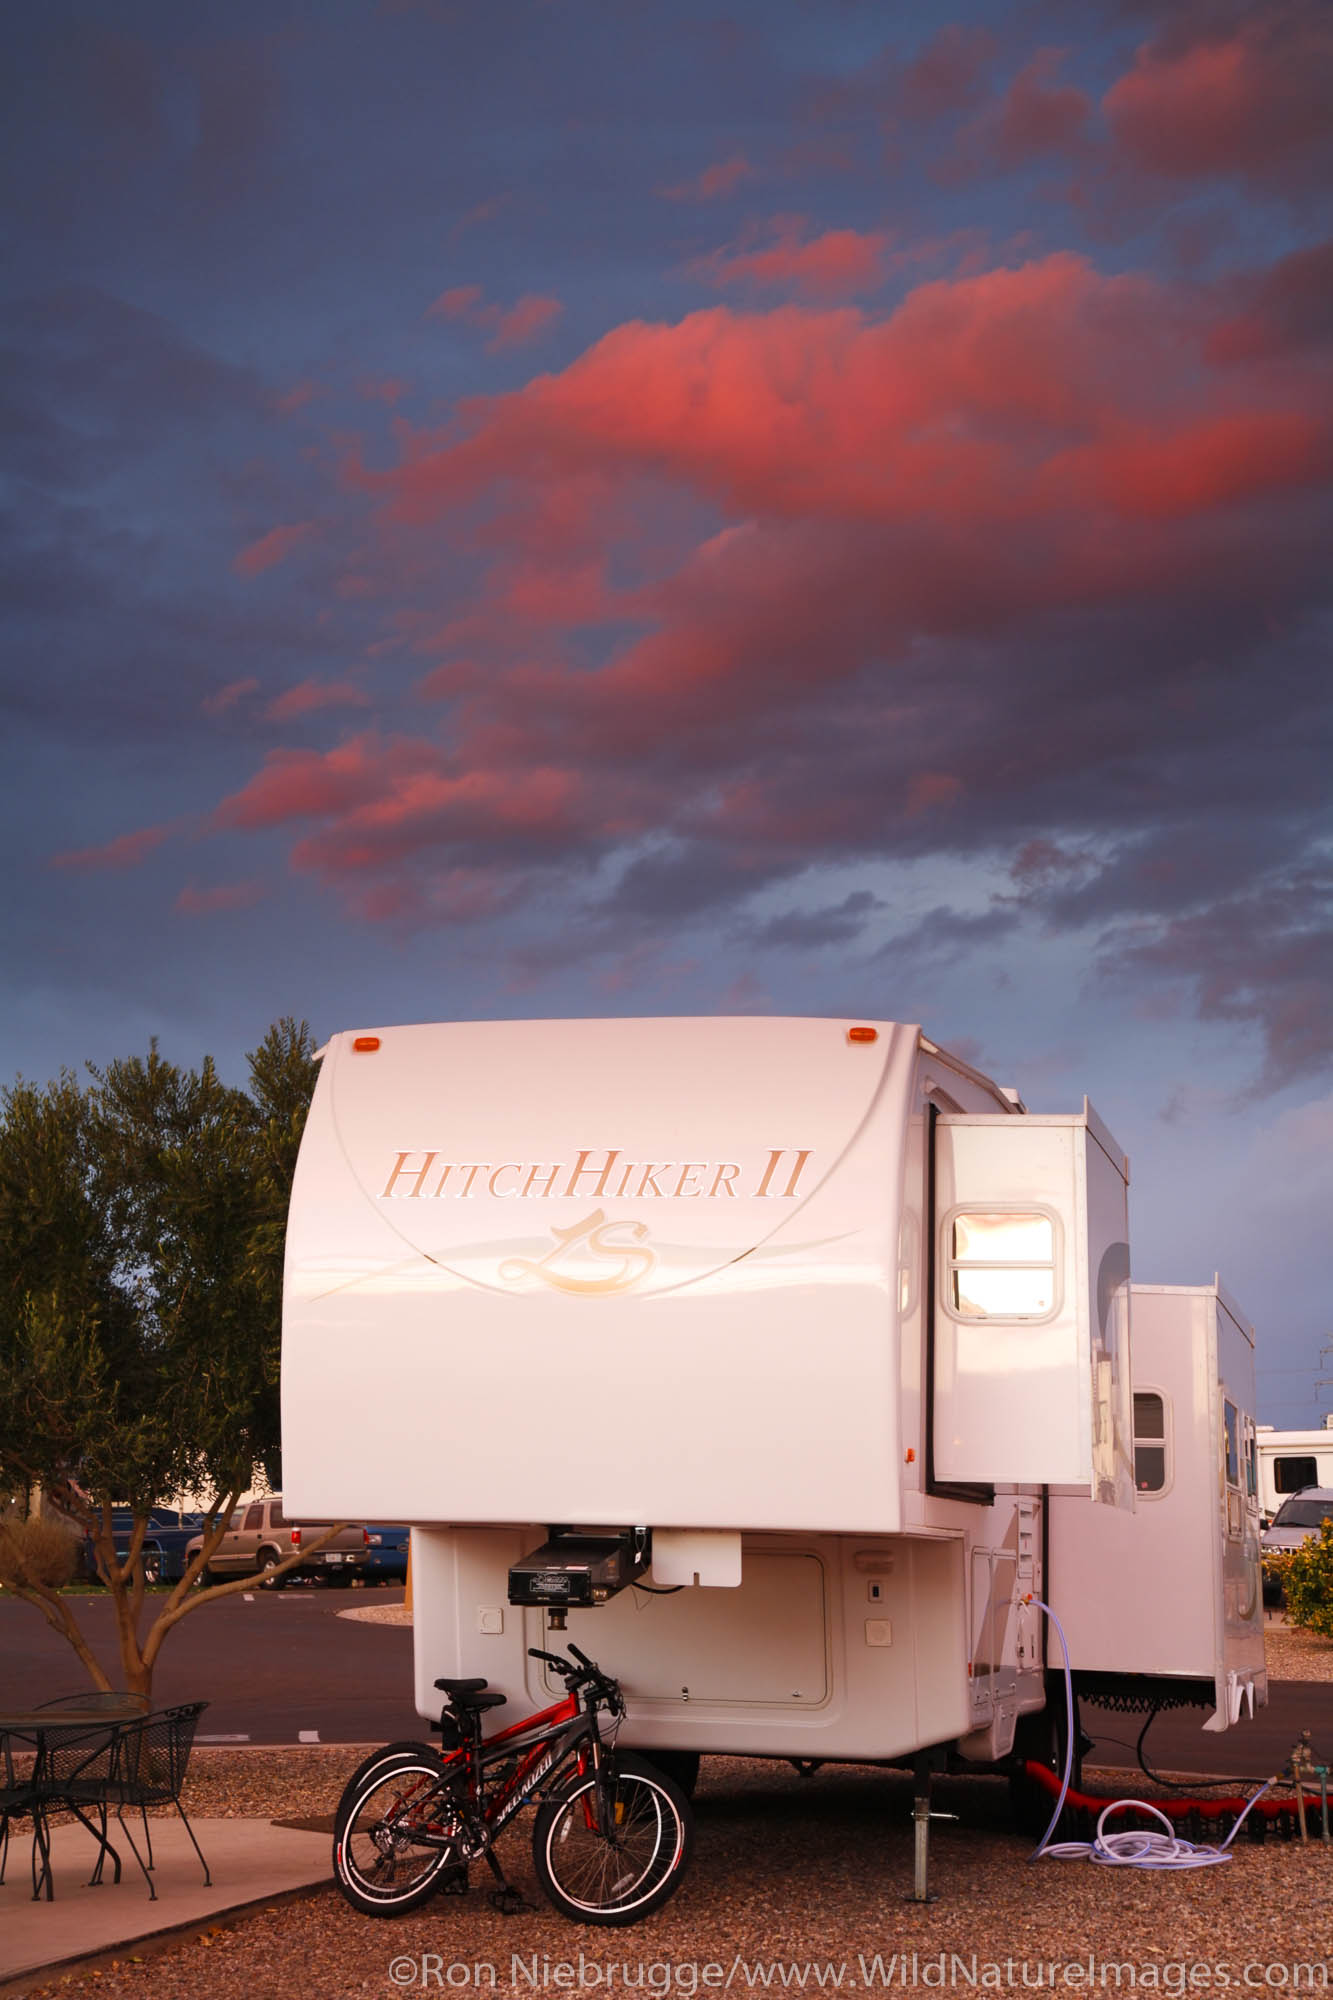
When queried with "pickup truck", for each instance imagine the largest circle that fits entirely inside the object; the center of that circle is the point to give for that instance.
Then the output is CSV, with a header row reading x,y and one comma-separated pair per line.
x,y
167,1539
259,1536
387,1561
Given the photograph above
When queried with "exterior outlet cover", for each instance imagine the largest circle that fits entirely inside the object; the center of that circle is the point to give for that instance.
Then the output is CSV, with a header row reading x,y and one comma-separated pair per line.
x,y
879,1632
491,1620
710,1557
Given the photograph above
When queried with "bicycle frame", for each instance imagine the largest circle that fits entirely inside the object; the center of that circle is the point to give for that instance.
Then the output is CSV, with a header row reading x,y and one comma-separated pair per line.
x,y
562,1732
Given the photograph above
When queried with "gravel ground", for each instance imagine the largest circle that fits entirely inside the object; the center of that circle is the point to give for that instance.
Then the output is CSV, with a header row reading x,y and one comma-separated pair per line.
x,y
1293,1655
787,1871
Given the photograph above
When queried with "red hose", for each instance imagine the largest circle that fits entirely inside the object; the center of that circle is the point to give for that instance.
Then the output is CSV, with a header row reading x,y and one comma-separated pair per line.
x,y
1174,1808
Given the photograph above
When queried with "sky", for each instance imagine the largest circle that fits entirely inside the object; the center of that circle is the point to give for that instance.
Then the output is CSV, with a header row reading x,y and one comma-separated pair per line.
x,y
804,507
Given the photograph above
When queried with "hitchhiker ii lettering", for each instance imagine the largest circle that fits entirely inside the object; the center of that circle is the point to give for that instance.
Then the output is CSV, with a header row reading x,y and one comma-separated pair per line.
x,y
607,1175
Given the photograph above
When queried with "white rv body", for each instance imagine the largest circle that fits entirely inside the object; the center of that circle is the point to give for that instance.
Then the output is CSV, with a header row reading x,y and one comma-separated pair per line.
x,y
762,1287
1192,1542
1291,1460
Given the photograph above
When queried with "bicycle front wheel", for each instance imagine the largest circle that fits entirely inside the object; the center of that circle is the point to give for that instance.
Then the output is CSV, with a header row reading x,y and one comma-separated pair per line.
x,y
621,1871
404,1751
395,1841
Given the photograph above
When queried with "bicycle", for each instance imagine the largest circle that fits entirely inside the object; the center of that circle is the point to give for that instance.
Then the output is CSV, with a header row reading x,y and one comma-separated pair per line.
x,y
612,1833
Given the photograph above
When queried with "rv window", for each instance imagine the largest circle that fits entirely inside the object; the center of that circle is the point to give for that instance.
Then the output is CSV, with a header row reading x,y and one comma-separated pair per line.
x,y
1002,1265
1231,1420
1149,1442
1251,1469
1291,1474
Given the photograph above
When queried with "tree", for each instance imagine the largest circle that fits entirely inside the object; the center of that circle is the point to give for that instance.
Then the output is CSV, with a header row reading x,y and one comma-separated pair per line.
x,y
141,1232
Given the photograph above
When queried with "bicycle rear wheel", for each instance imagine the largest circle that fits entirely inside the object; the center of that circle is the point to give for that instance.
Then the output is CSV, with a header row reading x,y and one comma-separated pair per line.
x,y
394,1843
616,1874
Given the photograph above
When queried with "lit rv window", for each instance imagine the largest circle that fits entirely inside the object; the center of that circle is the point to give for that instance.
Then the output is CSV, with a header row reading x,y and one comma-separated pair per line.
x,y
1291,1474
1230,1419
1149,1442
1002,1265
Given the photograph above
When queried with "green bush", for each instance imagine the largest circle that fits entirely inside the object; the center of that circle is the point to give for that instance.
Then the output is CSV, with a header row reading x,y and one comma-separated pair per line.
x,y
1309,1583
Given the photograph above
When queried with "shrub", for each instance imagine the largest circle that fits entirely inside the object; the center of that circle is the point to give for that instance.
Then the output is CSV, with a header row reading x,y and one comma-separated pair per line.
x,y
1309,1583
36,1551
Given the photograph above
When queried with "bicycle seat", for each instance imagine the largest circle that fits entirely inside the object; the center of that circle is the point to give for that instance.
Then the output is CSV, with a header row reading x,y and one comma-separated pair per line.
x,y
480,1698
461,1687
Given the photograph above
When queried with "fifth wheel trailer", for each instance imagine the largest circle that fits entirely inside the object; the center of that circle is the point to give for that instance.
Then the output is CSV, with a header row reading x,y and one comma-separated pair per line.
x,y
752,1353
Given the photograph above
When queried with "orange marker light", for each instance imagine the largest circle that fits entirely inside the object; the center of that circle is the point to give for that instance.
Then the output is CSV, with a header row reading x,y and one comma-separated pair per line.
x,y
366,1044
911,1455
863,1034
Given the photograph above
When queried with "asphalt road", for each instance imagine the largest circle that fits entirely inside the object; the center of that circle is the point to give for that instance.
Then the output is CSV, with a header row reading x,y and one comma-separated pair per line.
x,y
283,1667
273,1665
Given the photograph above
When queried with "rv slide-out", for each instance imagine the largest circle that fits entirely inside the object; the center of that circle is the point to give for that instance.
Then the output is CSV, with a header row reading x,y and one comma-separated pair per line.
x,y
799,1323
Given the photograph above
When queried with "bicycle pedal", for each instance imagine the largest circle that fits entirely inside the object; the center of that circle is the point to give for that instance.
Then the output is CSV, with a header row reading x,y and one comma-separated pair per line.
x,y
509,1902
453,1882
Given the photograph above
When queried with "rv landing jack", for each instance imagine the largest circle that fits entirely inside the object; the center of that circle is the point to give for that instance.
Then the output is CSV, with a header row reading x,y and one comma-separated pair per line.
x,y
923,1770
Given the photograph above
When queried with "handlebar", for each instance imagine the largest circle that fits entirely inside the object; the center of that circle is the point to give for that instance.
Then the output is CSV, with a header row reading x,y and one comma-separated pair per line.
x,y
585,1673
551,1660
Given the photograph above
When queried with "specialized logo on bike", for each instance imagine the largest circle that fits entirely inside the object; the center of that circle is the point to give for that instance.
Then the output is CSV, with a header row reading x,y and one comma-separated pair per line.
x,y
578,1260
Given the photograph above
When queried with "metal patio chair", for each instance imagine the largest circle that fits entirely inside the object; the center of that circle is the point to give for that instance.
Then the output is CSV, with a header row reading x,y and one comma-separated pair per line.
x,y
74,1770
152,1752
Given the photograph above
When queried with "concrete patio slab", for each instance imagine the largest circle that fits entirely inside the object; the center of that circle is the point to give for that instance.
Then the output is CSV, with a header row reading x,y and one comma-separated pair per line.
x,y
250,1861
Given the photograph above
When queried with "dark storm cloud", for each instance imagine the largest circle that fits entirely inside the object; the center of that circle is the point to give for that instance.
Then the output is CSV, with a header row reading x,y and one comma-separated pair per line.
x,y
810,930
573,488
1261,958
943,936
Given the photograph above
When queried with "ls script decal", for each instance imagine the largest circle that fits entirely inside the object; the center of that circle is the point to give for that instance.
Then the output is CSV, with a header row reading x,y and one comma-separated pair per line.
x,y
597,1240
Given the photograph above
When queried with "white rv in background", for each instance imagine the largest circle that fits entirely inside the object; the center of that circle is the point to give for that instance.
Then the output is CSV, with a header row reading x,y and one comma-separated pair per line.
x,y
1289,1461
750,1354
1192,1544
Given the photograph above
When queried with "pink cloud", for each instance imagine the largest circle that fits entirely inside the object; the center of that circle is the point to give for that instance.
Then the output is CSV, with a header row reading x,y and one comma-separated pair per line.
x,y
1038,113
388,389
196,902
1250,98
127,850
457,303
272,548
1003,395
303,784
932,788
1001,453
509,326
309,695
722,178
946,75
228,696
524,321
295,398
481,211
837,265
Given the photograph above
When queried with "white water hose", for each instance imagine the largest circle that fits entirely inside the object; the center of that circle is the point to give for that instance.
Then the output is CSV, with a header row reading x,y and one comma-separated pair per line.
x,y
1137,1847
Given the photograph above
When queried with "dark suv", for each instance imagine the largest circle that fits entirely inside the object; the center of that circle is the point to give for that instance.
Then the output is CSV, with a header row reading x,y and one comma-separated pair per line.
x,y
165,1542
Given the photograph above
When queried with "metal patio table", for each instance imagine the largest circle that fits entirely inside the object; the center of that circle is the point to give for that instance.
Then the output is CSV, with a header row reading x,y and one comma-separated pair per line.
x,y
73,1752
